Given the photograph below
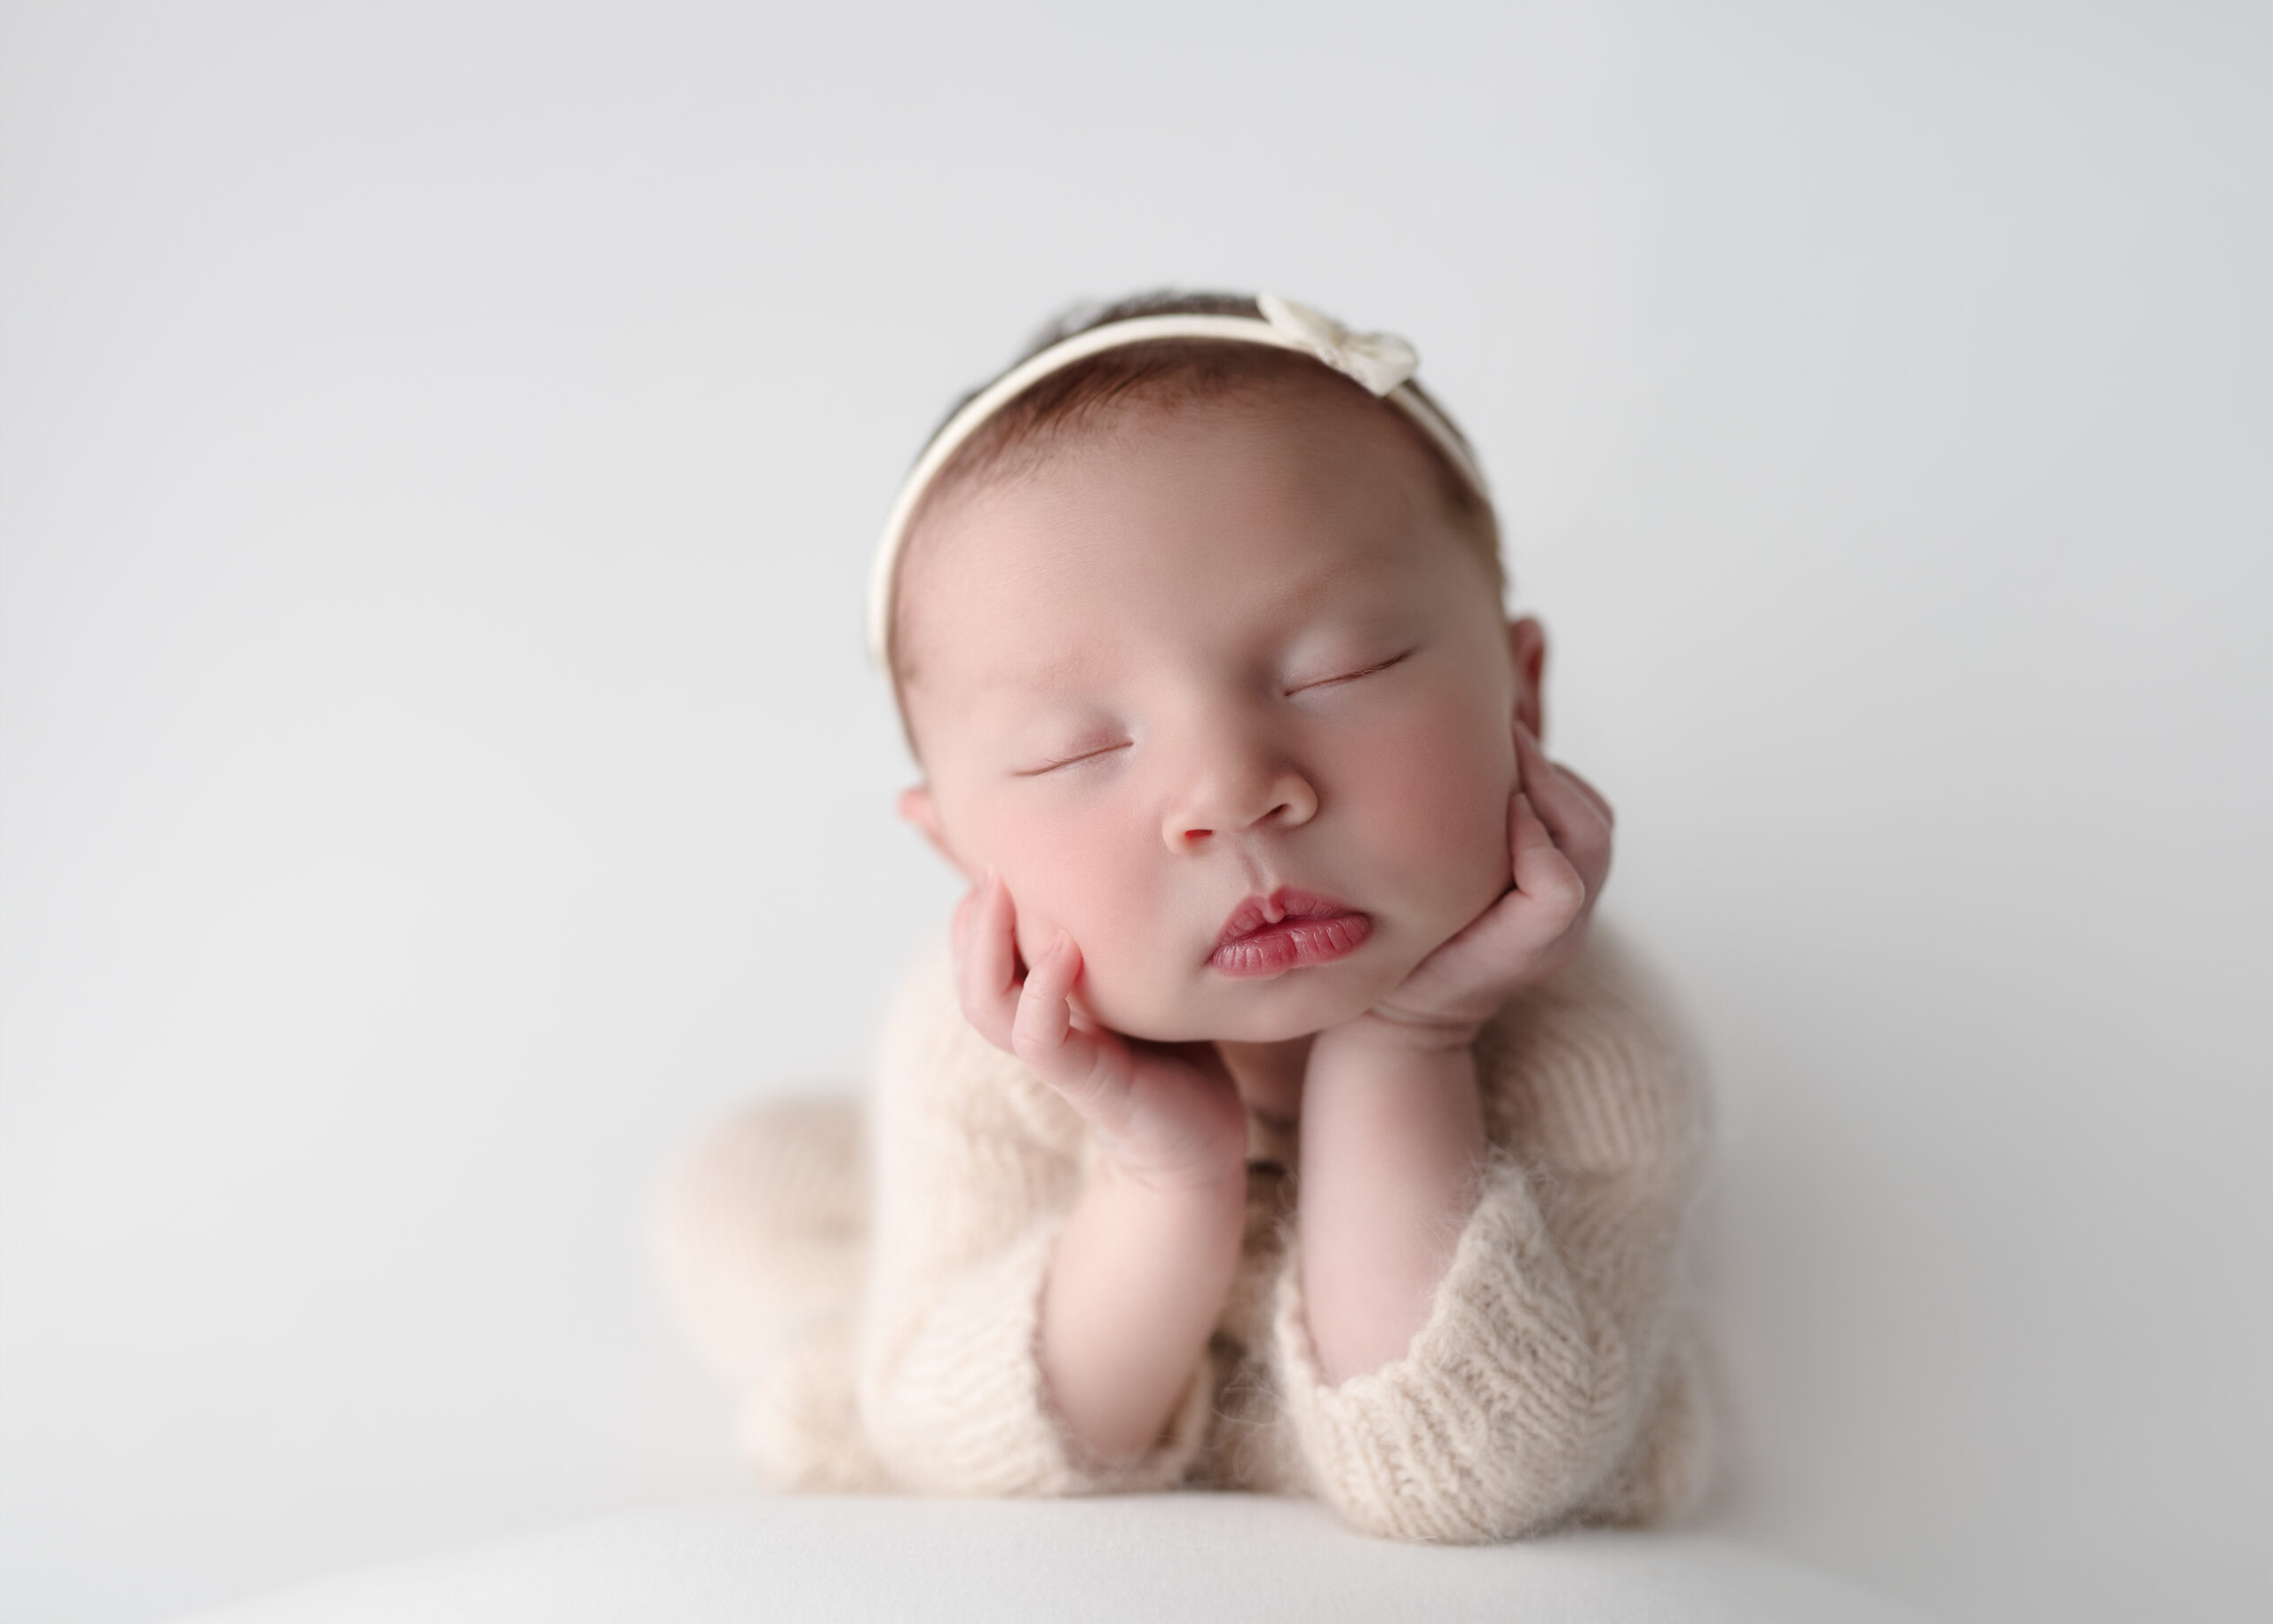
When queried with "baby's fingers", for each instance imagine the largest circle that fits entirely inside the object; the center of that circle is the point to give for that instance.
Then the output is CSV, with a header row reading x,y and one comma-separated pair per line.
x,y
987,960
1045,1012
1546,878
1078,1064
1573,811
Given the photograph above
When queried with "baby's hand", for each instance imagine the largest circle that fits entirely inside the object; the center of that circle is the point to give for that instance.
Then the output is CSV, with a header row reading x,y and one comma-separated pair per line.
x,y
1166,1115
1558,835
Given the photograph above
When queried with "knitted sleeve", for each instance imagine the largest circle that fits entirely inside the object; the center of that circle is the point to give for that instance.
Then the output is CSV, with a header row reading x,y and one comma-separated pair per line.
x,y
1551,1378
976,1166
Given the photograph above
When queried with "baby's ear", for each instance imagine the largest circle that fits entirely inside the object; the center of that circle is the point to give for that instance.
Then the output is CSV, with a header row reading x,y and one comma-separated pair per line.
x,y
1527,645
916,807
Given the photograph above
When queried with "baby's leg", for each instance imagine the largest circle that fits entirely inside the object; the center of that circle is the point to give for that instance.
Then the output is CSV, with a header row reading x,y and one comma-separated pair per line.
x,y
763,1237
766,1225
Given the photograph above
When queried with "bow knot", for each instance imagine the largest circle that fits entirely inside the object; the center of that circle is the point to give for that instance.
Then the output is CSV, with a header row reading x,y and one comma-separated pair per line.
x,y
1381,361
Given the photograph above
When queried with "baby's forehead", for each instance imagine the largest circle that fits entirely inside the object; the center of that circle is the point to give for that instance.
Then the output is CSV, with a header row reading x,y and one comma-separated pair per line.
x,y
1129,567
1238,515
1299,453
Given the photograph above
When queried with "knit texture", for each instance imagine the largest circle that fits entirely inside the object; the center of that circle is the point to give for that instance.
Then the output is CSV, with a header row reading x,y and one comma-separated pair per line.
x,y
871,1279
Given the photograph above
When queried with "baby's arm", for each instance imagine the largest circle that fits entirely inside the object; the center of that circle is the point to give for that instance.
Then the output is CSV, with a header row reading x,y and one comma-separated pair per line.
x,y
1552,1372
1393,1138
1143,1265
1473,1347
1135,1287
1393,1149
978,1167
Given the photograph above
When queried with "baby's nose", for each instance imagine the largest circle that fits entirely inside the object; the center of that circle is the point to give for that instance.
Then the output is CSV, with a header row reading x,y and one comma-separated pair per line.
x,y
1228,801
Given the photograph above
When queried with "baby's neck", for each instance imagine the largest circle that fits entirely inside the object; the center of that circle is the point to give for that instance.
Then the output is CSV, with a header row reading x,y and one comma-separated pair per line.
x,y
1269,1075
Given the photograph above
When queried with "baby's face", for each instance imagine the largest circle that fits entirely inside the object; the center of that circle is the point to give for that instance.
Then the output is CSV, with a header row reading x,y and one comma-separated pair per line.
x,y
1202,661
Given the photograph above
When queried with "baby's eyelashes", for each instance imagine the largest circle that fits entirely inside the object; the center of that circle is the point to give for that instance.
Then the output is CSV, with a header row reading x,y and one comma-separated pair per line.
x,y
1104,750
1075,759
1367,671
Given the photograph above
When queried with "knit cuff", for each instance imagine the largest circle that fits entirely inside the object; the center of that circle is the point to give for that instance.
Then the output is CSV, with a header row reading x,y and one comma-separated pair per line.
x,y
1500,1415
965,1412
1165,1464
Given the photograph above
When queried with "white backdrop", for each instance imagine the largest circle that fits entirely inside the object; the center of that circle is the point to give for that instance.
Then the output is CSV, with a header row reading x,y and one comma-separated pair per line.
x,y
439,446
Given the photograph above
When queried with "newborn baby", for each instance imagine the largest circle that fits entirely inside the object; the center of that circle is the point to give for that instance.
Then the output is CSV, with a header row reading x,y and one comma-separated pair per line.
x,y
1270,1121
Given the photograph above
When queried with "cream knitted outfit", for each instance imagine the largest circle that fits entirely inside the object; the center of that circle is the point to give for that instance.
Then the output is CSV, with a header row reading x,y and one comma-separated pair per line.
x,y
872,1283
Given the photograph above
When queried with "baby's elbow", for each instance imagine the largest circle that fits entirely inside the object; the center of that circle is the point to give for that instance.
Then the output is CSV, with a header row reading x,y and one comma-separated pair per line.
x,y
1470,1459
932,1438
950,1391
945,1420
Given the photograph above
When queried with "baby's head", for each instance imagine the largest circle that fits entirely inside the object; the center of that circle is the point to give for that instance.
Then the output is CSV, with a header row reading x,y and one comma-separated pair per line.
x,y
1200,628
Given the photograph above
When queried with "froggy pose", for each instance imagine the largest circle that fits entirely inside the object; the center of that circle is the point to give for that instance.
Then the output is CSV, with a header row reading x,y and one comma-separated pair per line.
x,y
1271,1121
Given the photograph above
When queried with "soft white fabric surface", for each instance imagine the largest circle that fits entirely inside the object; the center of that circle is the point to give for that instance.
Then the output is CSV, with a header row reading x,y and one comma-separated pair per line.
x,y
1193,1556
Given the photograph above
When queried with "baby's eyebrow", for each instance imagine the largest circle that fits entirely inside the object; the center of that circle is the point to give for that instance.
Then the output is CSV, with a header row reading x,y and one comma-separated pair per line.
x,y
1060,671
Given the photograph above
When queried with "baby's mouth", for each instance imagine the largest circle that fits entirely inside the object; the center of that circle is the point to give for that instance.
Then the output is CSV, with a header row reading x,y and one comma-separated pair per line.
x,y
1268,936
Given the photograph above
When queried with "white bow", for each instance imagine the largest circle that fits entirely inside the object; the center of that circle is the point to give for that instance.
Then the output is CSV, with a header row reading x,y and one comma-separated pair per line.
x,y
1381,361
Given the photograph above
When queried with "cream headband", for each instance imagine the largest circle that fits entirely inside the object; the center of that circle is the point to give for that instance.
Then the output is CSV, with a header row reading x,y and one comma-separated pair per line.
x,y
1382,362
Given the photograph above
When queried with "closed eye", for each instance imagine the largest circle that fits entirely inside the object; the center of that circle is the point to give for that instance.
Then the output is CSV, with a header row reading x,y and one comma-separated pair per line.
x,y
1329,682
1052,767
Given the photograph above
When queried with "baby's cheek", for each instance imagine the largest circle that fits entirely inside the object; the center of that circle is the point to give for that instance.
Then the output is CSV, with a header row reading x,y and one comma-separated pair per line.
x,y
1090,880
1436,808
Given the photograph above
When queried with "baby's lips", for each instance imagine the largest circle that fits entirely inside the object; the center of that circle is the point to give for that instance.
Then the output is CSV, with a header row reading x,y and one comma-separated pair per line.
x,y
1286,902
1293,942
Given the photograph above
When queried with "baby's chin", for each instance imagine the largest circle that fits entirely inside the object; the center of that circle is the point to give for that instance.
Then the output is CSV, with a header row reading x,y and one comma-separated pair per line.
x,y
1292,1005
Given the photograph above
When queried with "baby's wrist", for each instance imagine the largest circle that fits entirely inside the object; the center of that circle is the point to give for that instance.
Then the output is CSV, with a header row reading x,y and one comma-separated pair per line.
x,y
1219,1178
1397,1032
